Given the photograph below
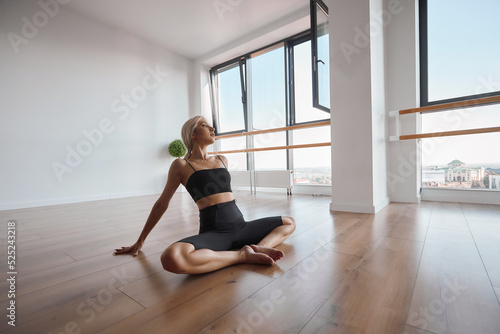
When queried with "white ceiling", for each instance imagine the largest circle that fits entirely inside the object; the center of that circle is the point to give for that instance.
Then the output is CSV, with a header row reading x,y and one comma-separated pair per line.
x,y
192,28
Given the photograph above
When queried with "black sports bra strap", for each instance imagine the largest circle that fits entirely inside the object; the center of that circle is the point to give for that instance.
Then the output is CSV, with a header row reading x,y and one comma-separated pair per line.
x,y
190,164
222,161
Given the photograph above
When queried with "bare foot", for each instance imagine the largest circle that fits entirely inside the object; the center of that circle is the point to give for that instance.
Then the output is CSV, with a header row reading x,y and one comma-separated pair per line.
x,y
275,254
249,256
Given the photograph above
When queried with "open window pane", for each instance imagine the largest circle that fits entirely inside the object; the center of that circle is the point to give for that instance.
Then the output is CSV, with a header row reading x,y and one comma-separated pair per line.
x,y
304,110
230,109
321,55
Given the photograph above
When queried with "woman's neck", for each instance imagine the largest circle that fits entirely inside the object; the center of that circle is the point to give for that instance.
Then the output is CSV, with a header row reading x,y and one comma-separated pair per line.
x,y
199,153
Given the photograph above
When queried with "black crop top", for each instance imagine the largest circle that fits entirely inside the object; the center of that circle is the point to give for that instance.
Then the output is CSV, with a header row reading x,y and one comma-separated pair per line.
x,y
206,182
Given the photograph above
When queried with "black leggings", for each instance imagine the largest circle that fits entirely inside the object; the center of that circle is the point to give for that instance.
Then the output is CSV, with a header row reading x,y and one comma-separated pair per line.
x,y
222,227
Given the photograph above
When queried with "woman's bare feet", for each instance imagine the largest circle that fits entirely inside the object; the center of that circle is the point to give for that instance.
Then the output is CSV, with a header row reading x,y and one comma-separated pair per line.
x,y
273,253
248,255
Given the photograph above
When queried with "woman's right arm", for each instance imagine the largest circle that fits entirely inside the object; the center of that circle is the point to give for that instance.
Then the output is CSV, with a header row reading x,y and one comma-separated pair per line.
x,y
173,181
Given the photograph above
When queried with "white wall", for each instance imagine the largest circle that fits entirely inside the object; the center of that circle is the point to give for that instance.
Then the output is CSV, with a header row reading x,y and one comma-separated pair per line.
x,y
357,106
378,19
72,75
403,80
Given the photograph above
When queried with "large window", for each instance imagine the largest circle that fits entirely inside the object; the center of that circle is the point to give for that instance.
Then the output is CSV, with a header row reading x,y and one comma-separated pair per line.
x,y
460,49
268,89
459,61
272,88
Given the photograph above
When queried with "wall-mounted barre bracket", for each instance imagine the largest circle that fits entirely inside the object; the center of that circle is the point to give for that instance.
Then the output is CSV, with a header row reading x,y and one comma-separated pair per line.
x,y
395,114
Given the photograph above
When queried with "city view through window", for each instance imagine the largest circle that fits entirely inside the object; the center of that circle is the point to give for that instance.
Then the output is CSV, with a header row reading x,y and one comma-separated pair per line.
x,y
467,161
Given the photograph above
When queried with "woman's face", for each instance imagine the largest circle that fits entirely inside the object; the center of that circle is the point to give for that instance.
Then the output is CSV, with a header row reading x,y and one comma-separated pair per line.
x,y
204,132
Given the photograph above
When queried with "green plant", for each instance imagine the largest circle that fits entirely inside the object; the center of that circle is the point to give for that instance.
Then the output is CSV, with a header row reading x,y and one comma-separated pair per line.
x,y
177,148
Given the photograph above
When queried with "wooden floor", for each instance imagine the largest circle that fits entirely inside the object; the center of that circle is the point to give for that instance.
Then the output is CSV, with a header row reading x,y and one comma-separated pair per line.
x,y
411,268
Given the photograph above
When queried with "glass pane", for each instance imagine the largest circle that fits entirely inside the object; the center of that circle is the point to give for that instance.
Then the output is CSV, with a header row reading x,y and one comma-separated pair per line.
x,y
320,134
463,162
304,111
462,119
312,165
268,90
463,48
237,161
270,160
231,116
323,61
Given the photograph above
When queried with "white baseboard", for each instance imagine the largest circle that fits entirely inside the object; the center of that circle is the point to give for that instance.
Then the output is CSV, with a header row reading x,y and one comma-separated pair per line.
x,y
406,199
352,208
70,200
461,195
382,204
357,208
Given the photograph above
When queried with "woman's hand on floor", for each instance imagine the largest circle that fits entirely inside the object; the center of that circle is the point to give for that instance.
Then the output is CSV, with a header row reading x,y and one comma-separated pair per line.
x,y
134,249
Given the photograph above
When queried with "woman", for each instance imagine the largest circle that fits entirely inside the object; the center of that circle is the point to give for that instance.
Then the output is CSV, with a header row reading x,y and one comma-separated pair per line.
x,y
225,238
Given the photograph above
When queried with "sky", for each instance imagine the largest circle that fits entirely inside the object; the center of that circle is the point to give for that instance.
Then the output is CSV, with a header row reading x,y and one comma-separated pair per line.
x,y
464,59
267,86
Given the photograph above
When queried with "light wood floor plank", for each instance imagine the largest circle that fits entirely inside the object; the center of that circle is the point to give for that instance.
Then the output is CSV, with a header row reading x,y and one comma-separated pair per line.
x,y
413,330
375,297
300,246
448,216
54,276
202,309
453,293
480,212
287,303
486,236
49,300
368,282
89,316
412,221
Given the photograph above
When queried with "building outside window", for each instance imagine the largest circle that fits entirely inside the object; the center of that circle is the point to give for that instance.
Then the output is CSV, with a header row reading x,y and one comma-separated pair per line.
x,y
459,61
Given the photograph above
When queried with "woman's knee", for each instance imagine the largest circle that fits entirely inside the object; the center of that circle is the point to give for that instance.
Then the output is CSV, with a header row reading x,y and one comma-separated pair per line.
x,y
174,259
289,221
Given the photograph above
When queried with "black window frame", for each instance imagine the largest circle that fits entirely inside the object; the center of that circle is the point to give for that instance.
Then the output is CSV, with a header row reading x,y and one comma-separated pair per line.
x,y
314,52
424,64
288,43
237,62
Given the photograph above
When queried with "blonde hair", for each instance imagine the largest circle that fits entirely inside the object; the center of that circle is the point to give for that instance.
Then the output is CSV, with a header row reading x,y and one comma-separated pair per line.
x,y
188,131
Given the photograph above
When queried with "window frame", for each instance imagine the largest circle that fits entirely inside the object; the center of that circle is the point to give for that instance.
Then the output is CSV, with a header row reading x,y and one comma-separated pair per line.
x,y
424,64
288,43
314,4
228,65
